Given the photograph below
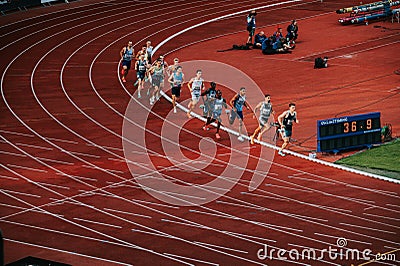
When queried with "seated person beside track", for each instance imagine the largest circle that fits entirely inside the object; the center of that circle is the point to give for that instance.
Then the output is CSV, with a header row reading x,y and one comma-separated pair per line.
x,y
266,46
281,46
259,39
277,35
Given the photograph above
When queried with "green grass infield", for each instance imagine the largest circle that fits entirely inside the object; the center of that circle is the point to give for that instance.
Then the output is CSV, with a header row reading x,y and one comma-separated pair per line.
x,y
382,160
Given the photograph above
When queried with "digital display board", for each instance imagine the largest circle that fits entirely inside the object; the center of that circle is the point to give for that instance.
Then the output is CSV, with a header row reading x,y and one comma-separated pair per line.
x,y
346,132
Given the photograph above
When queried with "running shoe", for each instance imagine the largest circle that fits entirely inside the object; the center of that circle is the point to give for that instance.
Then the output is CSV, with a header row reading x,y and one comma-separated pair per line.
x,y
217,136
205,128
240,138
123,80
175,110
139,96
281,153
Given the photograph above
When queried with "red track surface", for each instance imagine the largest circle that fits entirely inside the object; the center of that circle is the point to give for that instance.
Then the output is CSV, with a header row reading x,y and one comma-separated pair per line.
x,y
68,195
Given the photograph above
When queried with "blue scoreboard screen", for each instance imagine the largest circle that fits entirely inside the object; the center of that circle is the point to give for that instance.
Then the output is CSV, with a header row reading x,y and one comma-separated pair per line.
x,y
346,132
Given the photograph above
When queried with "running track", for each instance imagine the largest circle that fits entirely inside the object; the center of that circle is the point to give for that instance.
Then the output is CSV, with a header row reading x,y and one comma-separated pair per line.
x,y
68,195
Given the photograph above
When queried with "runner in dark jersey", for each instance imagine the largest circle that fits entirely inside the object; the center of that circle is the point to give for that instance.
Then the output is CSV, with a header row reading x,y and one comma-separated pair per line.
x,y
210,94
126,54
237,103
219,103
141,68
286,120
265,108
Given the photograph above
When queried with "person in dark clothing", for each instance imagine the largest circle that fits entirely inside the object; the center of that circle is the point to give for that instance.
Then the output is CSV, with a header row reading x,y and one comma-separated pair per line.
x,y
216,112
259,39
251,25
266,46
210,94
292,30
286,120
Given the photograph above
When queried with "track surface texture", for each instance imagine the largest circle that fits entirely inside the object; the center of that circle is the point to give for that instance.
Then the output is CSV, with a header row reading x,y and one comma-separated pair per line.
x,y
70,193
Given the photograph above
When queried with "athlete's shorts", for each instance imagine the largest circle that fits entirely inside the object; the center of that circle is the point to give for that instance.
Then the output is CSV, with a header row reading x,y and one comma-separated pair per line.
x,y
251,31
233,115
287,133
156,81
216,116
195,98
208,107
263,121
176,90
127,64
140,75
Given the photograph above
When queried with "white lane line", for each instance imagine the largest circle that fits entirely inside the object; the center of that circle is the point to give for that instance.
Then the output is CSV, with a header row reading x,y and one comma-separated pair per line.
x,y
12,154
63,201
78,177
310,218
18,208
21,193
63,140
129,213
349,239
16,133
26,168
368,49
103,169
290,188
9,177
53,185
311,180
263,196
81,154
106,147
222,247
117,160
345,47
368,228
392,205
160,234
33,146
155,204
192,259
54,161
376,190
96,222
65,251
381,216
251,236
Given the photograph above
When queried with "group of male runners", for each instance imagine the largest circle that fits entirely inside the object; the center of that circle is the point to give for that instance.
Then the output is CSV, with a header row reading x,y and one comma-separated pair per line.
x,y
214,103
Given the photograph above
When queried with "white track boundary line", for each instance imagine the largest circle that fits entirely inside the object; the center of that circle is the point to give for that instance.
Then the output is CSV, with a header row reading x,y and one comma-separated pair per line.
x,y
304,157
64,251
